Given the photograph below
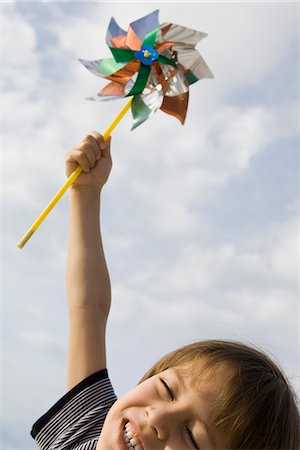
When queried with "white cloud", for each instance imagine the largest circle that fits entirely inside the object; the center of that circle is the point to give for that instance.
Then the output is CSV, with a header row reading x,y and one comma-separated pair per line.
x,y
284,255
19,40
246,41
236,283
240,135
83,36
40,340
276,306
177,178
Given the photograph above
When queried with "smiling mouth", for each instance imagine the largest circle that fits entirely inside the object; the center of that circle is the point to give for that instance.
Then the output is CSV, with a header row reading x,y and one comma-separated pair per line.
x,y
130,439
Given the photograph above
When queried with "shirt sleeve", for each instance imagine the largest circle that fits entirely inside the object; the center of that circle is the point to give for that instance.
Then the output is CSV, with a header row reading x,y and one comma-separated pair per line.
x,y
78,417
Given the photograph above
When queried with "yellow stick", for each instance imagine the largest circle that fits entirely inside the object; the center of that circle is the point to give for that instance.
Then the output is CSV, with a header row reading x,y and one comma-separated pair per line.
x,y
74,175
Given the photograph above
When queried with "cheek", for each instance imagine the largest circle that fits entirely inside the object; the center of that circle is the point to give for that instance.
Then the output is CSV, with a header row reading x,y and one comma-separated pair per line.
x,y
118,409
114,411
139,397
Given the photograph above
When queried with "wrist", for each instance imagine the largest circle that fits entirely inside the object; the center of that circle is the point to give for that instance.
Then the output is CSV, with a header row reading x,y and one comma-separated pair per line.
x,y
86,198
85,190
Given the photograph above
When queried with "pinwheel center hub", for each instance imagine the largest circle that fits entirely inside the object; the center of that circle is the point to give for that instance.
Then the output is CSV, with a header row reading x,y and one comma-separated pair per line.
x,y
146,55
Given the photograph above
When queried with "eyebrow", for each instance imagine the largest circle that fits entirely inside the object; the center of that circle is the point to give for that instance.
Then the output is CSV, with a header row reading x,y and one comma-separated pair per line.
x,y
182,386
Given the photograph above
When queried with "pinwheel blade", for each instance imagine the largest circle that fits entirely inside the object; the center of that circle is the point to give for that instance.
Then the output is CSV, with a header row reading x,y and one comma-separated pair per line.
x,y
141,81
178,33
112,90
193,62
176,106
102,67
115,36
139,29
145,105
140,111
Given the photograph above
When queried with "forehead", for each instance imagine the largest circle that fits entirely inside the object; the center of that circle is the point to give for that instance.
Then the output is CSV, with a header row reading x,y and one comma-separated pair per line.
x,y
200,376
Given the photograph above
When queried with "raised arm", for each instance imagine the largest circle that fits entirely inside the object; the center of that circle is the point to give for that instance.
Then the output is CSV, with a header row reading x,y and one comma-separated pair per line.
x,y
88,284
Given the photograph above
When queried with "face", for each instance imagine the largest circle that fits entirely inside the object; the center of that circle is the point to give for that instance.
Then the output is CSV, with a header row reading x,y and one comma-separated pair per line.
x,y
165,412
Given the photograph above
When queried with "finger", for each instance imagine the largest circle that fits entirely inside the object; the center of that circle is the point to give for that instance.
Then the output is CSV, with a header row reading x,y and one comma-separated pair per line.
x,y
92,140
99,139
89,152
79,157
106,152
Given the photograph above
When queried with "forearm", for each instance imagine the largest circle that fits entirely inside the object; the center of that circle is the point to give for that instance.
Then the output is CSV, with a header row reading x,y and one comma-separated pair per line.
x,y
88,283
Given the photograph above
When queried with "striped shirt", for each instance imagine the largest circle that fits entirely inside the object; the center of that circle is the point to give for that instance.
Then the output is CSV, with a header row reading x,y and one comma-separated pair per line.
x,y
76,420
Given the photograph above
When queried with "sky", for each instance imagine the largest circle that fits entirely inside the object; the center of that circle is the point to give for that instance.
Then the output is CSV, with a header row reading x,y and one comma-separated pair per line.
x,y
199,222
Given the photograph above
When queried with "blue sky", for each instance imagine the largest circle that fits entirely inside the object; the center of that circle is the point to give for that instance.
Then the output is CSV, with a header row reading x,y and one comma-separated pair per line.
x,y
199,222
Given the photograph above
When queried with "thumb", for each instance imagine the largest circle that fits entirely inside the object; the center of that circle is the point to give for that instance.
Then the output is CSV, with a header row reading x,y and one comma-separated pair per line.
x,y
106,152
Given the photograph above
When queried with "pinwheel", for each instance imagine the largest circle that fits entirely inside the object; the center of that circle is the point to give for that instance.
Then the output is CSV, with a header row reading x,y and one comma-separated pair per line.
x,y
152,64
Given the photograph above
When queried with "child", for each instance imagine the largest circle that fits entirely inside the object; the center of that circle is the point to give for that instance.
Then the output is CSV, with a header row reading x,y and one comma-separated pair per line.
x,y
207,395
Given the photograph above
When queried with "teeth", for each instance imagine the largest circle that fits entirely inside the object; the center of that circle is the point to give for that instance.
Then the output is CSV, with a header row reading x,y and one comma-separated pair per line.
x,y
130,441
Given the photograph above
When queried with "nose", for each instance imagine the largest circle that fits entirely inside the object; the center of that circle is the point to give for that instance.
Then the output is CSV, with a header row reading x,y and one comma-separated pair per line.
x,y
159,420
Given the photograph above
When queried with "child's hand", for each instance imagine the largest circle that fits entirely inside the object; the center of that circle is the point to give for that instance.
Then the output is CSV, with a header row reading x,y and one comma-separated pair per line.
x,y
93,155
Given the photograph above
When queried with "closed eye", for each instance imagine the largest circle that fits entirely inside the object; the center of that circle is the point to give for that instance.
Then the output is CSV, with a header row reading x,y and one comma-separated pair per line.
x,y
168,389
172,397
191,438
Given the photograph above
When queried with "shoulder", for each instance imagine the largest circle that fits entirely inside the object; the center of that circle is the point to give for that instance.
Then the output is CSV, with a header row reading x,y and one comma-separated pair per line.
x,y
80,411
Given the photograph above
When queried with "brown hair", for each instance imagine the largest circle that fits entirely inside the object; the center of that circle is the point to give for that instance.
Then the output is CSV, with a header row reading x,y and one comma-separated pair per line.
x,y
257,408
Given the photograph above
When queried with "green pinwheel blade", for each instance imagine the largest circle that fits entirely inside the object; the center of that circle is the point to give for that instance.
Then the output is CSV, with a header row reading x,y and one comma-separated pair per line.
x,y
141,80
150,38
163,60
108,66
140,111
122,55
190,77
102,67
